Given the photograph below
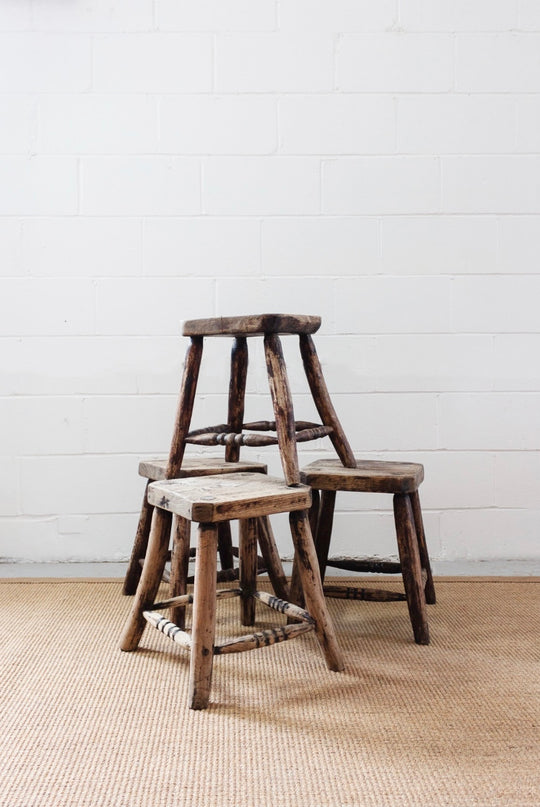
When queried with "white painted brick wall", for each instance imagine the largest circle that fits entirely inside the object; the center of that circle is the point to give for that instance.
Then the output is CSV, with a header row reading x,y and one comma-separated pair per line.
x,y
374,163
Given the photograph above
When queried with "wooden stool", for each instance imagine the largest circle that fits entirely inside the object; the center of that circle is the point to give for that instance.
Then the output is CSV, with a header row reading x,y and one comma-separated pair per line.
x,y
402,480
231,434
211,501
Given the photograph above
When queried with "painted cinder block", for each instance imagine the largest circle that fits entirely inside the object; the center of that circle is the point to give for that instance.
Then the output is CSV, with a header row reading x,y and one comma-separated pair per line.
x,y
152,62
336,124
271,63
320,246
41,62
261,186
38,186
386,185
140,186
216,15
217,124
201,247
497,63
405,63
91,123
81,247
338,16
47,306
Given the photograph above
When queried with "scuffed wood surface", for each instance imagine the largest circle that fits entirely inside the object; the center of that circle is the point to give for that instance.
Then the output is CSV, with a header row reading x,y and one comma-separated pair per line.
x,y
369,476
252,325
223,498
156,469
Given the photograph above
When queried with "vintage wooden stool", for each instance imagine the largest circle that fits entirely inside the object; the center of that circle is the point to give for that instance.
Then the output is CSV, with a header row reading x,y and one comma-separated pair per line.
x,y
232,435
210,501
402,480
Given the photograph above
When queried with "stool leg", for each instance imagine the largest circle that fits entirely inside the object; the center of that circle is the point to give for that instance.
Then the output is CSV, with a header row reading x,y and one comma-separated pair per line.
x,y
324,528
154,563
190,377
225,547
422,548
283,407
248,568
140,544
411,569
237,392
272,560
180,568
312,588
322,400
204,618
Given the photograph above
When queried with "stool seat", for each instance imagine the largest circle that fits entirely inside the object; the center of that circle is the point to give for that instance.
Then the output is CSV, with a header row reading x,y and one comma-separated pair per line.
x,y
156,469
212,499
369,476
252,325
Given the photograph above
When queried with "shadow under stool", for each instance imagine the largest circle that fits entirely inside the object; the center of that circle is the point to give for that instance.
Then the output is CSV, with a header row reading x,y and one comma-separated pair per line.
x,y
210,501
235,433
402,480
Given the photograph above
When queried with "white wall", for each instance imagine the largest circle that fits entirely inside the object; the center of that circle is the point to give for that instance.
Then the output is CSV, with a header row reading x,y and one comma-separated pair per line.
x,y
377,163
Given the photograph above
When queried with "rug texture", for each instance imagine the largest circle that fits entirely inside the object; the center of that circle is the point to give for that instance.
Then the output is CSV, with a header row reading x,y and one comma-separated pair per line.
x,y
455,723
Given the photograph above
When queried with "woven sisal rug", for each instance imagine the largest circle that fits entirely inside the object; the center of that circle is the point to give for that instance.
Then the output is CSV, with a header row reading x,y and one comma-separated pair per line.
x,y
455,723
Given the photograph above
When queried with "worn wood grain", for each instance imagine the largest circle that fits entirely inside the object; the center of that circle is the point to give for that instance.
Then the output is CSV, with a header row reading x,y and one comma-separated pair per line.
x,y
369,476
411,567
263,638
179,567
283,407
204,617
237,393
248,568
321,397
188,388
252,325
224,498
429,586
140,545
308,570
156,469
156,556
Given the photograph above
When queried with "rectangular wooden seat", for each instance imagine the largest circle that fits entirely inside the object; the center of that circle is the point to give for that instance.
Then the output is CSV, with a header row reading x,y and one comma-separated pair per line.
x,y
369,476
156,469
224,498
252,325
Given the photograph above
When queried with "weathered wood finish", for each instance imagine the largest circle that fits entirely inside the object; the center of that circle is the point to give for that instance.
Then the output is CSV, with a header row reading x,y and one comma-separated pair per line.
x,y
156,556
323,402
354,593
271,558
369,476
283,407
410,567
311,583
324,528
284,607
234,439
237,393
140,545
204,617
179,567
225,547
156,469
429,586
401,479
168,628
369,565
252,325
248,569
224,498
185,406
263,638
